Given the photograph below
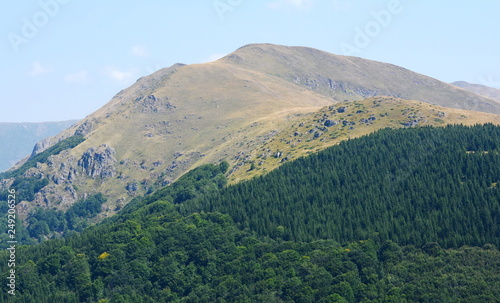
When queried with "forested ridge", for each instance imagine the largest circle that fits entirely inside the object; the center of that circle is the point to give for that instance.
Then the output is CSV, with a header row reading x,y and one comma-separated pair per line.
x,y
398,216
411,186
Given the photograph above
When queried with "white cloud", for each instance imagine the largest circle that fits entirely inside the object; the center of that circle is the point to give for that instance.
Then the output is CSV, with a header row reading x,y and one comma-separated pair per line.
x,y
139,51
38,69
213,57
297,4
118,75
80,77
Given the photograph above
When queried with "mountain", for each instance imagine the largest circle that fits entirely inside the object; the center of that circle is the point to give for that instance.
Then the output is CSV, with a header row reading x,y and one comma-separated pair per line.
x,y
183,116
18,139
346,120
485,91
343,78
401,215
384,183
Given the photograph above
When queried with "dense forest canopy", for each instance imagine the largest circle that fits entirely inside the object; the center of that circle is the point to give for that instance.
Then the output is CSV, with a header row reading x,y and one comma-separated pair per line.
x,y
398,216
410,186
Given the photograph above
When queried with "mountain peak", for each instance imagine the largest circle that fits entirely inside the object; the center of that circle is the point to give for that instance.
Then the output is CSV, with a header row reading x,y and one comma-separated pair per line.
x,y
183,116
341,78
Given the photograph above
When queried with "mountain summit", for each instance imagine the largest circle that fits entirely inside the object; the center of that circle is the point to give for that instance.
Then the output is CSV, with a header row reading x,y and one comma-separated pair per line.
x,y
344,78
186,115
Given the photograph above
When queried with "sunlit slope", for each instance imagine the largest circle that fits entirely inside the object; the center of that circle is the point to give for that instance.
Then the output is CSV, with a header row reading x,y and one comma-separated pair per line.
x,y
167,123
345,78
346,120
255,108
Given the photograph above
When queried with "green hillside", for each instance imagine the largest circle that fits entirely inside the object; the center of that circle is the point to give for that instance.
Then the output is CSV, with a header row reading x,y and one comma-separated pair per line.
x,y
411,185
408,215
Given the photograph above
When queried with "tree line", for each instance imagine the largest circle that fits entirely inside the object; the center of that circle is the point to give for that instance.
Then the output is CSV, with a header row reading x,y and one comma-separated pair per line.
x,y
397,216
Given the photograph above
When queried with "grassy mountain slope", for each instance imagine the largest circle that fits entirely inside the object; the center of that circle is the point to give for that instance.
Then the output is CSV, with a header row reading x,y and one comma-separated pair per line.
x,y
18,139
345,78
165,124
347,120
158,250
187,115
489,92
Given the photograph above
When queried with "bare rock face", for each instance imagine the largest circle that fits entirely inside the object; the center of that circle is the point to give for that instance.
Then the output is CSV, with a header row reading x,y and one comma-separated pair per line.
x,y
52,195
85,128
43,145
153,104
99,162
66,171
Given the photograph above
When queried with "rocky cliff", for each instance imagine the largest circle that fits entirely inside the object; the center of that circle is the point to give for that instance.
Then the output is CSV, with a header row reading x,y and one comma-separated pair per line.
x,y
99,162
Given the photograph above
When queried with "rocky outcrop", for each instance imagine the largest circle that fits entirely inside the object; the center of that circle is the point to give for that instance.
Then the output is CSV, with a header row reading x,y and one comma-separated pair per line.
x,y
132,187
65,168
43,145
85,128
52,196
99,162
154,104
48,142
330,123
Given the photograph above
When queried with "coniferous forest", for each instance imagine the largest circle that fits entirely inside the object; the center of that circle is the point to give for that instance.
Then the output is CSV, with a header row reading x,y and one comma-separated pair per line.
x,y
408,215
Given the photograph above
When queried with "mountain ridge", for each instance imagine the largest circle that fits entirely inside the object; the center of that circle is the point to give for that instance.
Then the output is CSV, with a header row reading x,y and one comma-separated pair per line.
x,y
180,117
483,90
364,71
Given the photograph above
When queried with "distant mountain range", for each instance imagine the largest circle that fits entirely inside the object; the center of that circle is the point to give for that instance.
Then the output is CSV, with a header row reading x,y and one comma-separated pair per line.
x,y
256,108
485,91
18,139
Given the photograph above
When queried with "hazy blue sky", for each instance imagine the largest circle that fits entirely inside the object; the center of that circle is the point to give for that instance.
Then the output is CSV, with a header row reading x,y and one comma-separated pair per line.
x,y
63,59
